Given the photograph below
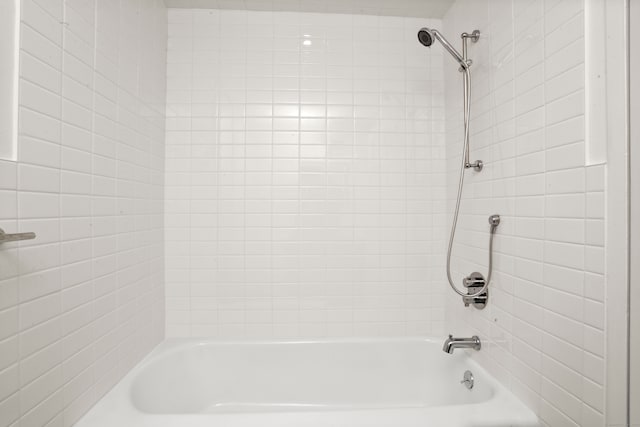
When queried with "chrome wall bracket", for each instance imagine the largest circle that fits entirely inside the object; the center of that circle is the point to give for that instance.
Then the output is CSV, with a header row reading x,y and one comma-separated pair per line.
x,y
5,238
474,36
477,165
474,283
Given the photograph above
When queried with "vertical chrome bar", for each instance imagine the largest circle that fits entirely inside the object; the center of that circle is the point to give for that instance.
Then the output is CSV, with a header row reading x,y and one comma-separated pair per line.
x,y
464,46
466,107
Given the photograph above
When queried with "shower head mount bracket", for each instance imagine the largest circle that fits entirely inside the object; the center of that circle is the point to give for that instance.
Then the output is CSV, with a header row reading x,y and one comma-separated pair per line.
x,y
474,36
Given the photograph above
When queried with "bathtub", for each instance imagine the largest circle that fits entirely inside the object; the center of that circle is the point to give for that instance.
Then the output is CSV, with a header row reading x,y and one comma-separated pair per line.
x,y
385,383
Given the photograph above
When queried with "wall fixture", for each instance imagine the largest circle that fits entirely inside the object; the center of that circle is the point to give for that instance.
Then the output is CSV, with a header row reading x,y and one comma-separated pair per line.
x,y
476,286
15,237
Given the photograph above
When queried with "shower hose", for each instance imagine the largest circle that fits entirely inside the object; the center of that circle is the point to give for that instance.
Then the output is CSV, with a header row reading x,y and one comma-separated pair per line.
x,y
465,164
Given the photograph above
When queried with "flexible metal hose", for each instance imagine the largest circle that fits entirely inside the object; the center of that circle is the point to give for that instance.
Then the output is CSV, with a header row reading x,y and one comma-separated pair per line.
x,y
465,156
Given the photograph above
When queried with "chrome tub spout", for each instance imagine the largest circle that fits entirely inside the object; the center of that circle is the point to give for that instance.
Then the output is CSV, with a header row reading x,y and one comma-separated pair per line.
x,y
451,343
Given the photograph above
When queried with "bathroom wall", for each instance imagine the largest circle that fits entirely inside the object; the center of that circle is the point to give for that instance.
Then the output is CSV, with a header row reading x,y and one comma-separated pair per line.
x,y
83,302
543,332
634,235
305,176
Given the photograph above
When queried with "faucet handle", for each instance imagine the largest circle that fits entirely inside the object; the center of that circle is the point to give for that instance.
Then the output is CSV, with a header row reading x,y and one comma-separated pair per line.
x,y
468,380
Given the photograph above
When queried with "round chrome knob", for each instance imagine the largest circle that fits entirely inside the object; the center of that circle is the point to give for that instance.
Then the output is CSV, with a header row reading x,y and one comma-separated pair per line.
x,y
494,220
468,380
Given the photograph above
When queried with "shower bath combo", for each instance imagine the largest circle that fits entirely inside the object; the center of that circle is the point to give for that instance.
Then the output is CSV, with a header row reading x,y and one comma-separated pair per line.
x,y
405,381
476,285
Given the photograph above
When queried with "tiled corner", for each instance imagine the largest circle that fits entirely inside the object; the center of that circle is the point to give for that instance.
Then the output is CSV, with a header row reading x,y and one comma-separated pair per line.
x,y
85,299
545,326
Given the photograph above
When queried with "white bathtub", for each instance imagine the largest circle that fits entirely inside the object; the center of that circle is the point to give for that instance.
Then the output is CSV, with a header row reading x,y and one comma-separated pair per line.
x,y
386,383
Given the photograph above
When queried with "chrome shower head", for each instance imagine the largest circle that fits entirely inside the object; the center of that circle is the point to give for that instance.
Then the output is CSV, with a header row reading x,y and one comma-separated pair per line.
x,y
426,36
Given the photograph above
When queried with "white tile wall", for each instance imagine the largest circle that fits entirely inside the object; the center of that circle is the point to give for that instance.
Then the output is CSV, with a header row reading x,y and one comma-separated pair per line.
x,y
9,10
305,176
84,301
634,234
427,9
544,328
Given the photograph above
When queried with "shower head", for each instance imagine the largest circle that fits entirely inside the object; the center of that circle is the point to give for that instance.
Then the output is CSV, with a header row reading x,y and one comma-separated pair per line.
x,y
426,36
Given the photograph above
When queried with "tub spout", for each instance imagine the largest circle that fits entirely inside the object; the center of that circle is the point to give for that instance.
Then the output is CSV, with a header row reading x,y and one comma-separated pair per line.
x,y
452,343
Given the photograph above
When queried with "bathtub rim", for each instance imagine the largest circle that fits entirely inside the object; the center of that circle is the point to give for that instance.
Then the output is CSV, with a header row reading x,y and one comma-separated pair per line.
x,y
119,398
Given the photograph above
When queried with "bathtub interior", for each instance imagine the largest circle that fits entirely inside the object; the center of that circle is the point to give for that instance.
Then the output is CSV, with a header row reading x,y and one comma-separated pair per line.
x,y
313,376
